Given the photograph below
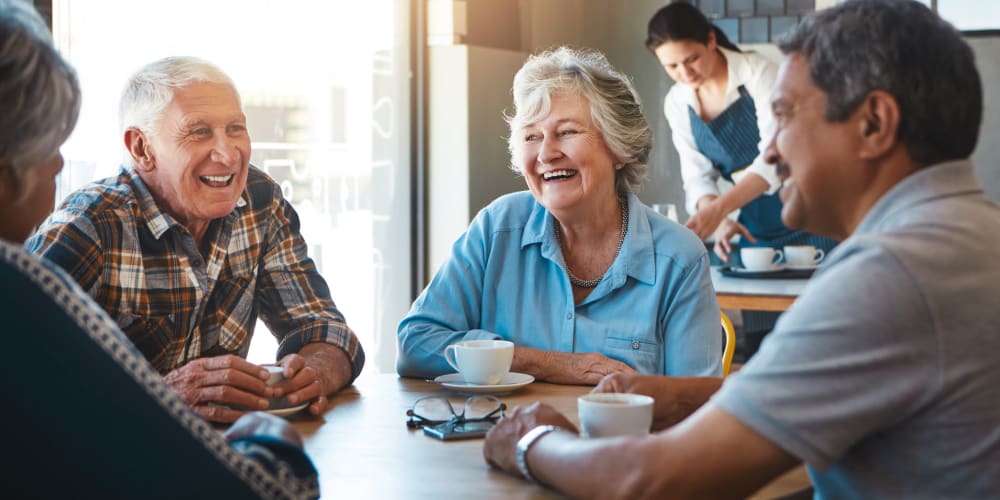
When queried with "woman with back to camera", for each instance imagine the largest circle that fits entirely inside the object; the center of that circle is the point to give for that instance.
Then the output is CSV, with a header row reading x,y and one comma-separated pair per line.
x,y
719,112
85,415
576,271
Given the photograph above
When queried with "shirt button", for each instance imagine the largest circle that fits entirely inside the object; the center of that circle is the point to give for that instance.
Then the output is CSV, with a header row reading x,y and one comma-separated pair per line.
x,y
635,344
569,315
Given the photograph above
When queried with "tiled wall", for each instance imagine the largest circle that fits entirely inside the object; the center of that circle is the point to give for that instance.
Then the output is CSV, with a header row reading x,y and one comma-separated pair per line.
x,y
754,21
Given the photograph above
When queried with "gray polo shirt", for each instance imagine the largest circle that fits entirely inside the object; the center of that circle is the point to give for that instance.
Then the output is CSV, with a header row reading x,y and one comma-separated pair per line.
x,y
883,376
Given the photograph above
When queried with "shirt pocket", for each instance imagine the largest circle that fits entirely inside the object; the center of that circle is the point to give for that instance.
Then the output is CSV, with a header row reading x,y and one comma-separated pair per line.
x,y
156,337
636,349
233,306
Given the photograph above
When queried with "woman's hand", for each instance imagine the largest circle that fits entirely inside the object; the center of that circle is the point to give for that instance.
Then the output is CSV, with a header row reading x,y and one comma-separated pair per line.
x,y
565,367
707,219
725,232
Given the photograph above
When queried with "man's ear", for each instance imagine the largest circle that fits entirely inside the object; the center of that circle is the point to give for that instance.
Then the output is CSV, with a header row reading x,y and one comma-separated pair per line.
x,y
878,124
137,145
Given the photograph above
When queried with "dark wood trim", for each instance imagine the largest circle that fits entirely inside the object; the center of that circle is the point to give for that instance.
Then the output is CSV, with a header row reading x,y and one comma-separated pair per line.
x,y
418,146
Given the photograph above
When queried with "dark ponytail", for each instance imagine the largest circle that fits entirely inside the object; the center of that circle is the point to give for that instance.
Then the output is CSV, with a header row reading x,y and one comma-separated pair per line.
x,y
682,21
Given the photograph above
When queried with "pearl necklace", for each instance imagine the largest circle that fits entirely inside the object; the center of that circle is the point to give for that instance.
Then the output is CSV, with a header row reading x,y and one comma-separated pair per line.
x,y
593,283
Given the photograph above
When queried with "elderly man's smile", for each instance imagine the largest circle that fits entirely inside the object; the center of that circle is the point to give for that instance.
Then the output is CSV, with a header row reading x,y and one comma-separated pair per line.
x,y
217,180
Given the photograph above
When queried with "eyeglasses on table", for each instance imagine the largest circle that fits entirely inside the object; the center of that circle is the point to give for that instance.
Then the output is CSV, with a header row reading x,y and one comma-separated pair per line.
x,y
435,410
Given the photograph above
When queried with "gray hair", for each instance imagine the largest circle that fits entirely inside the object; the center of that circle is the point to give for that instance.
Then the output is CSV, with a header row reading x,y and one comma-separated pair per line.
x,y
150,90
900,47
39,93
614,106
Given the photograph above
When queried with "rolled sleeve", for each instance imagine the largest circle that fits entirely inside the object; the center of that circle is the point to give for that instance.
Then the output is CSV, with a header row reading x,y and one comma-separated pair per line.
x,y
295,300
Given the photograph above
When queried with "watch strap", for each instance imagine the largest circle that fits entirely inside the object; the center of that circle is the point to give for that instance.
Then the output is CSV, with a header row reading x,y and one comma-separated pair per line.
x,y
524,444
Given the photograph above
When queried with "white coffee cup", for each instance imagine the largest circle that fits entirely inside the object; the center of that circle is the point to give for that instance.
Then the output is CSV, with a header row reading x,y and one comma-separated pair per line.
x,y
609,414
277,374
803,255
761,258
481,362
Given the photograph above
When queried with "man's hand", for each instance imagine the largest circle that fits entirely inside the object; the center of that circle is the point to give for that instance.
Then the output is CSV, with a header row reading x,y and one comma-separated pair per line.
x,y
565,367
501,442
221,388
317,371
261,424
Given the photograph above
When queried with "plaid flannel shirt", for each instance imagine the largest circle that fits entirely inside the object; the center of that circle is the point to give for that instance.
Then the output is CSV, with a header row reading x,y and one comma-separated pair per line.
x,y
177,305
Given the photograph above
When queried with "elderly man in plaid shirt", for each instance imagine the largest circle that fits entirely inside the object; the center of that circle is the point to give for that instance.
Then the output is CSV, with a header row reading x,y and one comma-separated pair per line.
x,y
189,243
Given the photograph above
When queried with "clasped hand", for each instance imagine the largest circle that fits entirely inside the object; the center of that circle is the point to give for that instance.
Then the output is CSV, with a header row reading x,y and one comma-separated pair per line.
x,y
223,388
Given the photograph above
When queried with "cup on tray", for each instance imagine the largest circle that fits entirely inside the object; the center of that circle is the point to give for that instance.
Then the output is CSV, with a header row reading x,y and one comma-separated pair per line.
x,y
804,256
761,258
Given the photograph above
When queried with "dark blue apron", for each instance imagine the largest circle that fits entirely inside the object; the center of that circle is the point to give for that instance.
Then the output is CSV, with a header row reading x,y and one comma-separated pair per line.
x,y
730,142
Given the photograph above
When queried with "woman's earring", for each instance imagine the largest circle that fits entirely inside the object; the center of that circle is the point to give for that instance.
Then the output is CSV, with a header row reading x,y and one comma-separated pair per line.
x,y
619,166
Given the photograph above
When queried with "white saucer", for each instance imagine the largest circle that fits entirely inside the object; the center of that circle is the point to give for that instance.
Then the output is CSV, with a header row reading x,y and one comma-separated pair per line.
x,y
743,270
284,412
510,382
802,268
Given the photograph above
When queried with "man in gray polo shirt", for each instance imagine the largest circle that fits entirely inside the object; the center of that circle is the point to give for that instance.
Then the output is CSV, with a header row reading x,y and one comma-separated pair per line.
x,y
882,377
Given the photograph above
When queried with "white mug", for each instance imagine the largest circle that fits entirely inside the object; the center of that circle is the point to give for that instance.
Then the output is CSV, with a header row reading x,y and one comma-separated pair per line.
x,y
803,255
761,258
609,414
481,362
277,374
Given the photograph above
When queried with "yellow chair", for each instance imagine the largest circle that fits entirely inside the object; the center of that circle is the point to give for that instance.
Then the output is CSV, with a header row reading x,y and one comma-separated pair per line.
x,y
727,353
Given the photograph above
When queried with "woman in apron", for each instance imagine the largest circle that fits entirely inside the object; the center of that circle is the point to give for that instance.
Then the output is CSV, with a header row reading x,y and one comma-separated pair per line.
x,y
719,113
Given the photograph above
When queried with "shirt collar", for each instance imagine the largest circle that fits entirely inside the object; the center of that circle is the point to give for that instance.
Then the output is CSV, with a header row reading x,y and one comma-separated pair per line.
x,y
738,68
936,181
157,221
635,259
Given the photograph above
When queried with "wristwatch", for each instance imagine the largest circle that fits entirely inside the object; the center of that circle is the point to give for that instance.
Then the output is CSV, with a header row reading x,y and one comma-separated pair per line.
x,y
525,443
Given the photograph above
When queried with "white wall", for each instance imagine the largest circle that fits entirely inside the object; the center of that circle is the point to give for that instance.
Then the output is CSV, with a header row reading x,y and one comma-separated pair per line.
x,y
987,153
469,90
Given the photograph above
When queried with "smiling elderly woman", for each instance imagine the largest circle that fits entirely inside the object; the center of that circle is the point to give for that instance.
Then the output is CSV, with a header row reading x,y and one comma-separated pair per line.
x,y
577,272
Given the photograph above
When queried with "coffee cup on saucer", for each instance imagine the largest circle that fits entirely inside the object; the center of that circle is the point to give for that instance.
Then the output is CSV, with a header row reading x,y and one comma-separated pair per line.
x,y
803,255
277,375
481,362
761,258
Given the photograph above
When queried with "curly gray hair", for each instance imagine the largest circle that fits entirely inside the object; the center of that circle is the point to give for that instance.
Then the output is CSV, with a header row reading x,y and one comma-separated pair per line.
x,y
614,106
39,94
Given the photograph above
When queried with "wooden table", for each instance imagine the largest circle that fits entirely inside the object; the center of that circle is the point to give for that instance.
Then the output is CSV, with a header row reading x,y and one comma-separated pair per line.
x,y
756,294
363,449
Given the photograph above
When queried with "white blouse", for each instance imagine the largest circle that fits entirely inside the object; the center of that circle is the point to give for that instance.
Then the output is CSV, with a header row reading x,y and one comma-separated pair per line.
x,y
750,69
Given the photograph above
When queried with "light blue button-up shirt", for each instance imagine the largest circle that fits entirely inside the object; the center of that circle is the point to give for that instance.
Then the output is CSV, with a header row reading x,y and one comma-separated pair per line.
x,y
655,310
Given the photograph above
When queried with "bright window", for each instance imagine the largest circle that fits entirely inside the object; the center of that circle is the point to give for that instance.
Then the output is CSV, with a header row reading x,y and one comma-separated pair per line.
x,y
325,87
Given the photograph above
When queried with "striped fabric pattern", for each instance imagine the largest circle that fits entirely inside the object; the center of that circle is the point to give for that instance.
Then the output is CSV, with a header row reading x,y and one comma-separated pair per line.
x,y
730,139
177,303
